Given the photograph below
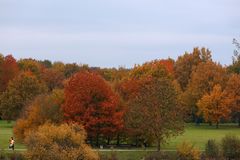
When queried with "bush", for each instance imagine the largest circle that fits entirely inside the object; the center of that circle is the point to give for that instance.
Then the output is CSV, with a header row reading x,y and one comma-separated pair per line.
x,y
63,142
231,147
212,149
186,151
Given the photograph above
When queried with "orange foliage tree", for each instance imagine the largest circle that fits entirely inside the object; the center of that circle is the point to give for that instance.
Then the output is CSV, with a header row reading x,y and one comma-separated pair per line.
x,y
187,63
154,68
214,106
203,79
232,91
44,108
89,100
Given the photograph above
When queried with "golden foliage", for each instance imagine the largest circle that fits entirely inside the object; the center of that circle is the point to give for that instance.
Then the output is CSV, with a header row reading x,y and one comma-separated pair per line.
x,y
214,106
186,151
63,142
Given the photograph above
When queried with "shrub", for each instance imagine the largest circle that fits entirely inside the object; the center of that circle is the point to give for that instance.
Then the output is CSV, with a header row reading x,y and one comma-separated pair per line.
x,y
63,142
212,149
231,147
186,151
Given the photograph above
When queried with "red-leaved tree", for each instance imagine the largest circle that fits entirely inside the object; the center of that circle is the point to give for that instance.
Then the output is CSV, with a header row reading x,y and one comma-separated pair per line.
x,y
89,100
8,70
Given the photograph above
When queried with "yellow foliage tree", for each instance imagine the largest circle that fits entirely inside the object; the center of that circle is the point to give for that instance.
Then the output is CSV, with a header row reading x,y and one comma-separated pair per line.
x,y
214,106
63,142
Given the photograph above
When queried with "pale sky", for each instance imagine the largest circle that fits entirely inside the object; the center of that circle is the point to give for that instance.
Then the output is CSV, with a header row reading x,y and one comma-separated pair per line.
x,y
113,33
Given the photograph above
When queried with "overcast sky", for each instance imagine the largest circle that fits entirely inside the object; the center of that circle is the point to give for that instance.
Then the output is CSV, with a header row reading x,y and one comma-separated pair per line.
x,y
113,33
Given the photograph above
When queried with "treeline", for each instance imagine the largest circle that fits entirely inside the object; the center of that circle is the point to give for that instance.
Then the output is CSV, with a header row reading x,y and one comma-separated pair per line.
x,y
143,105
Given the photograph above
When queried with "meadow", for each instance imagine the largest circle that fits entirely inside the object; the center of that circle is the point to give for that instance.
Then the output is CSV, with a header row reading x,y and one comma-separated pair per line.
x,y
198,135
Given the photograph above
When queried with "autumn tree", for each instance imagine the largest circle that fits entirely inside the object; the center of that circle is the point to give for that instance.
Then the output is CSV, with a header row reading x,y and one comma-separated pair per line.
x,y
154,110
90,101
53,78
46,63
214,106
187,63
154,68
70,69
43,109
151,96
20,91
59,142
203,79
59,66
30,65
8,70
232,91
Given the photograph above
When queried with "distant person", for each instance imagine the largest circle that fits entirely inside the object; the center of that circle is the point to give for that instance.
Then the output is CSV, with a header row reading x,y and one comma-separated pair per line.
x,y
11,143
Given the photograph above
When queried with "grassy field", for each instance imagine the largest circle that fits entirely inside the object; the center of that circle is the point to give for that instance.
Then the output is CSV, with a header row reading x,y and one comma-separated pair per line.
x,y
198,135
6,133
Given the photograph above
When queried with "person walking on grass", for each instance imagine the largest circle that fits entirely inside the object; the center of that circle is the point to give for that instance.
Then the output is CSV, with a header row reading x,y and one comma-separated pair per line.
x,y
11,143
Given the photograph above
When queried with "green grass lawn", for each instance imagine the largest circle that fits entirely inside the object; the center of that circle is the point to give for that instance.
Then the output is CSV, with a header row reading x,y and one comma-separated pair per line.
x,y
198,135
6,133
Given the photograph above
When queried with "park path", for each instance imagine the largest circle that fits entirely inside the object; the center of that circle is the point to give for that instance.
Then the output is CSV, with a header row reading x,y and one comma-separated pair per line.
x,y
118,150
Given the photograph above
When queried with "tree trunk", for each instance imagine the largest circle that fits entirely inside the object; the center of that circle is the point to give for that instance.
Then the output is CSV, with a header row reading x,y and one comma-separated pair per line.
x,y
118,140
210,123
217,125
108,140
91,141
158,145
136,141
97,140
